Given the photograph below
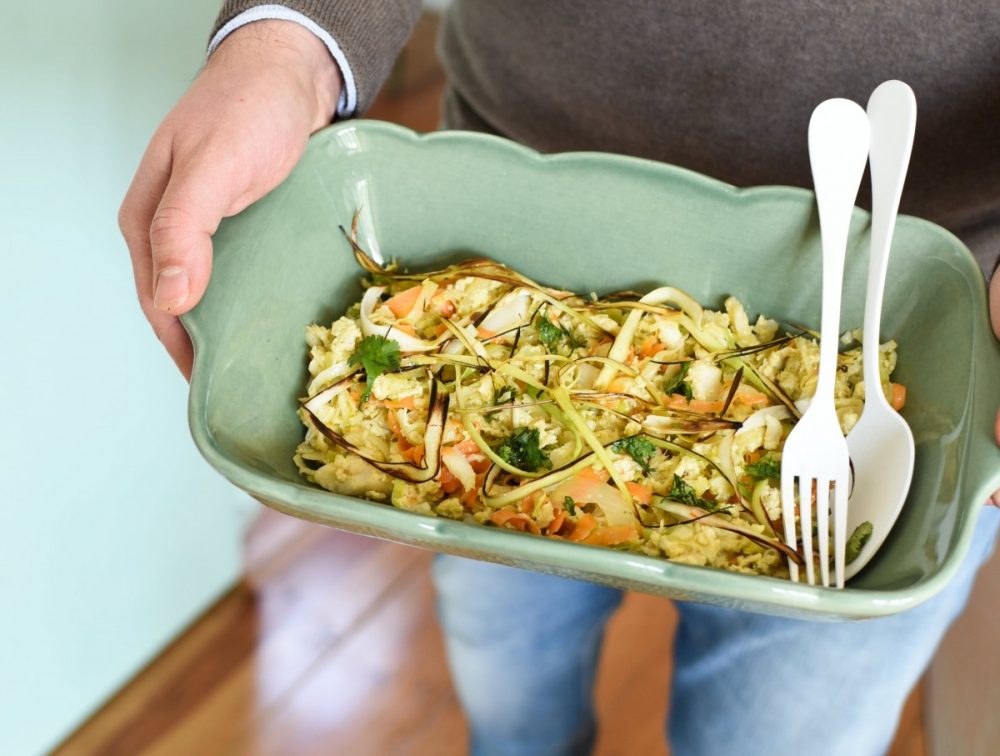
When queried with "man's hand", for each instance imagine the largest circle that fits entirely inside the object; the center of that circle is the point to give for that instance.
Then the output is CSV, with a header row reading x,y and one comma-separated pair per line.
x,y
235,135
995,320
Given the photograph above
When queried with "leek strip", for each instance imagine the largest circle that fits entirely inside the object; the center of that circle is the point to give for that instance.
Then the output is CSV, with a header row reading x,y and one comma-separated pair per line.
x,y
757,507
549,479
562,399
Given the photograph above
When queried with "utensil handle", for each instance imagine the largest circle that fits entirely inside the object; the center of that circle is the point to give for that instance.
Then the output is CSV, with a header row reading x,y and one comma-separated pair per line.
x,y
838,151
892,115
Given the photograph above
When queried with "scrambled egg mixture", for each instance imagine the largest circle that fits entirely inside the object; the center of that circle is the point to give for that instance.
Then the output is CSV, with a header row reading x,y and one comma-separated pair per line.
x,y
644,423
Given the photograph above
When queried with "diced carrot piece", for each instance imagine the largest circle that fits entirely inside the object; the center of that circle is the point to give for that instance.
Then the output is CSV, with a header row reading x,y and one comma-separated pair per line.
x,y
393,422
415,454
406,403
897,393
557,523
618,385
470,498
402,303
448,482
485,333
598,476
612,535
699,405
650,347
441,328
405,328
642,494
515,521
751,398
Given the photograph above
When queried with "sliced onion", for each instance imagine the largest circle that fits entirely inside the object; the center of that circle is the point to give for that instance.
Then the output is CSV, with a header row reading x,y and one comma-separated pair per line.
x,y
510,312
609,500
459,466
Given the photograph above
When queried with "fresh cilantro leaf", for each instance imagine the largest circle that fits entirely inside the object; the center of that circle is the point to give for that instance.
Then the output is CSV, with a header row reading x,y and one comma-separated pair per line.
x,y
857,541
521,449
677,384
552,335
681,491
765,468
638,448
377,355
505,395
569,505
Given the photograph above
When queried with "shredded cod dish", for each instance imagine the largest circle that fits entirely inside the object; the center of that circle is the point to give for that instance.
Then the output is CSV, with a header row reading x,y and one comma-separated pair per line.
x,y
641,422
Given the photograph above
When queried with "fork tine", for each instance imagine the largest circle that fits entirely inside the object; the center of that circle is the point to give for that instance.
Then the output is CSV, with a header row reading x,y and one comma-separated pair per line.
x,y
805,520
823,528
788,517
839,528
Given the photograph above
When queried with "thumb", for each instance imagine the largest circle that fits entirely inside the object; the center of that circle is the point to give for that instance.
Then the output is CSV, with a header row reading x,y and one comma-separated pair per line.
x,y
180,234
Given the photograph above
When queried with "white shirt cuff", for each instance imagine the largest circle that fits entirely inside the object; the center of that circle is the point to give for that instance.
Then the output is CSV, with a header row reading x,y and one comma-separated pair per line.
x,y
348,101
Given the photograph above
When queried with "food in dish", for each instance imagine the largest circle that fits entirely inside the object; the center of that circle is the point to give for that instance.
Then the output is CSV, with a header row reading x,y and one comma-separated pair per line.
x,y
640,422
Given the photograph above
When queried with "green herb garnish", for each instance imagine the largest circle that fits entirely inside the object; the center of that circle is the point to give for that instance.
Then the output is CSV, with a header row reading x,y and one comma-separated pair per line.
x,y
766,468
857,541
505,395
552,335
638,448
522,450
569,505
377,355
677,384
682,492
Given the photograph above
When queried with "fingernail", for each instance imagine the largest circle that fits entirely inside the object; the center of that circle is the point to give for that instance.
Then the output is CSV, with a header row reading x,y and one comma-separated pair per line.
x,y
172,288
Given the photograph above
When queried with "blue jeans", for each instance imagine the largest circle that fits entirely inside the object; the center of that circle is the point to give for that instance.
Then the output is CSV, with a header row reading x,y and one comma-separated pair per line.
x,y
523,650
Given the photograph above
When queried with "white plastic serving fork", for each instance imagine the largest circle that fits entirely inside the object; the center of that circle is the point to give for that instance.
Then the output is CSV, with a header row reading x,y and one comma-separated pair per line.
x,y
815,453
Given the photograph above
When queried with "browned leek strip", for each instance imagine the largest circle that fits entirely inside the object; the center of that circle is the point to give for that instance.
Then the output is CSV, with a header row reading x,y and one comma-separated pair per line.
x,y
687,512
437,415
551,478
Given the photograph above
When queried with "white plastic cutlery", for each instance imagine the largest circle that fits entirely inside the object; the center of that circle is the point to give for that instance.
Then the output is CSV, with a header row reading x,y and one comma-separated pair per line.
x,y
815,453
881,444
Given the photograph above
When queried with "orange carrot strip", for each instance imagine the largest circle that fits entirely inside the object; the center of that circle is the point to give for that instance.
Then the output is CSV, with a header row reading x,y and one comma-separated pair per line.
x,y
751,398
612,535
405,328
485,333
402,303
406,403
515,521
897,393
583,528
642,494
618,385
556,523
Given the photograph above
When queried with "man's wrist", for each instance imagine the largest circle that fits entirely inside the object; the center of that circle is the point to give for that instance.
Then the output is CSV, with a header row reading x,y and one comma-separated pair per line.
x,y
288,44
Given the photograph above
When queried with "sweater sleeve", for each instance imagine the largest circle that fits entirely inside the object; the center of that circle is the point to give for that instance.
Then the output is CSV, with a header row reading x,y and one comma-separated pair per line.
x,y
368,34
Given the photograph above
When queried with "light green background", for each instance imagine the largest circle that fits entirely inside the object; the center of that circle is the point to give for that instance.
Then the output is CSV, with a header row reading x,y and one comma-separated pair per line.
x,y
114,533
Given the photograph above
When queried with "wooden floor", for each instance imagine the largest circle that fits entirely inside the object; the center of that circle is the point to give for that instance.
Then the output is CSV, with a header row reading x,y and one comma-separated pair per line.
x,y
330,646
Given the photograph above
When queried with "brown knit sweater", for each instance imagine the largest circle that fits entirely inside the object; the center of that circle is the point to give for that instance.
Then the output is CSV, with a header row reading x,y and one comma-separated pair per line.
x,y
725,88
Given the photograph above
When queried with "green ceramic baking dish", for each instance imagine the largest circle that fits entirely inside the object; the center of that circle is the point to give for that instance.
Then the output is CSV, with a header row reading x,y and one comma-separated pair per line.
x,y
589,222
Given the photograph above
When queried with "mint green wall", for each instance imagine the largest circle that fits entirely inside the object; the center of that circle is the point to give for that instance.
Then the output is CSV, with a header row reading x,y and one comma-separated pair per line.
x,y
113,532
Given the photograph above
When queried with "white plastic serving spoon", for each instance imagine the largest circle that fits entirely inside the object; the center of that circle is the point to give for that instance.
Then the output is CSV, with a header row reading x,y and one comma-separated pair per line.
x,y
881,444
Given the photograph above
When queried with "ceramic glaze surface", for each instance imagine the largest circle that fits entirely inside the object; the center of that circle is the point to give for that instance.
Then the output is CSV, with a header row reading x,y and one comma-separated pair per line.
x,y
588,222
